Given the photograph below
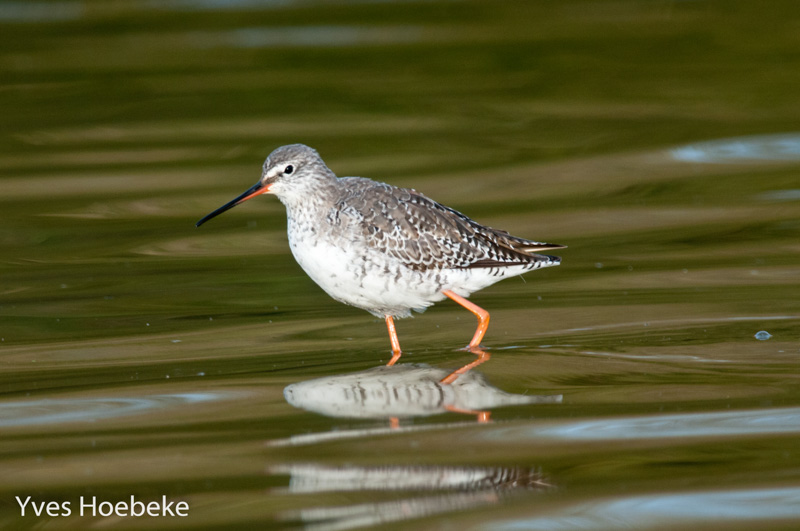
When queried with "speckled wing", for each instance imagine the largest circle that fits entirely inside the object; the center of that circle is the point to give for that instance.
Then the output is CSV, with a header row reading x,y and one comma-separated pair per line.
x,y
424,234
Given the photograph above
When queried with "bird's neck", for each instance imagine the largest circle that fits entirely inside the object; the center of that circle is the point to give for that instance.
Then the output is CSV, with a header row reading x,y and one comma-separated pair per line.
x,y
312,203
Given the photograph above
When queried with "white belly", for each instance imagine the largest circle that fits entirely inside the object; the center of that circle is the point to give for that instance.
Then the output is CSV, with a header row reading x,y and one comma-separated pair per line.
x,y
365,279
362,276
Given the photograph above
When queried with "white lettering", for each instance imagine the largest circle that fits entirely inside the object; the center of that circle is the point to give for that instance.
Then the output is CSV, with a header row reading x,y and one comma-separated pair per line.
x,y
121,508
51,508
182,508
93,506
135,507
167,507
22,504
105,512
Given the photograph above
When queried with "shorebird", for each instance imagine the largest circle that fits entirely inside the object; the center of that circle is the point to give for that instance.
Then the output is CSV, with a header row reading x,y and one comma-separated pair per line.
x,y
385,249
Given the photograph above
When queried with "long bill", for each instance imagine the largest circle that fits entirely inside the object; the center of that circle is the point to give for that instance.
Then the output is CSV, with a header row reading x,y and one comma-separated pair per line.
x,y
257,189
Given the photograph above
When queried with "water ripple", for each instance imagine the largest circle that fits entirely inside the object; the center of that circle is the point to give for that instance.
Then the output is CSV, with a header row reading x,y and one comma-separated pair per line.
x,y
780,147
301,36
50,411
662,510
722,424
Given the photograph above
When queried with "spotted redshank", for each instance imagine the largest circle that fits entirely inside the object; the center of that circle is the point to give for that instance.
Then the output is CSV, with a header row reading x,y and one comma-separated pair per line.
x,y
385,249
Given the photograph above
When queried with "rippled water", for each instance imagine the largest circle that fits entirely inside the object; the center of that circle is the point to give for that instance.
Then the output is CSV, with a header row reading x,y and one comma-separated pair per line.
x,y
649,382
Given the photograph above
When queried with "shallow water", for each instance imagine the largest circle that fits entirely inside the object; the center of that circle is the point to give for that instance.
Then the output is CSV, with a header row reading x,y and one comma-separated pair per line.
x,y
141,357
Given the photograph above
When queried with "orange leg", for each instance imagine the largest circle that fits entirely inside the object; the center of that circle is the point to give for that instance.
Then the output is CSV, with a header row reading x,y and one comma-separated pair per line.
x,y
395,342
480,416
483,356
474,345
480,313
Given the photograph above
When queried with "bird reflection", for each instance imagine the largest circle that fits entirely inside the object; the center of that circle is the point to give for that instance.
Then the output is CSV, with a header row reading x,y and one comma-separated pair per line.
x,y
315,478
403,391
455,488
394,393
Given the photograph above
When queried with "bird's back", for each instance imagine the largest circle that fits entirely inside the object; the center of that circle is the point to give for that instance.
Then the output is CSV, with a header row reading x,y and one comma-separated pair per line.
x,y
425,235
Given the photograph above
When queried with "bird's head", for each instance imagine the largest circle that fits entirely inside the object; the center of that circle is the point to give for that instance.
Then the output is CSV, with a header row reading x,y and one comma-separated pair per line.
x,y
290,172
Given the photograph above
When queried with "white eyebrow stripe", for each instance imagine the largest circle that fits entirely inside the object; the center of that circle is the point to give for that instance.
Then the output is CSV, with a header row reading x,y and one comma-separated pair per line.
x,y
274,172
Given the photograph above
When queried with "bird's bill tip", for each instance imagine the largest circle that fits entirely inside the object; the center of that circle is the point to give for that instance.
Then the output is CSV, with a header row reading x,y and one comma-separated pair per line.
x,y
257,189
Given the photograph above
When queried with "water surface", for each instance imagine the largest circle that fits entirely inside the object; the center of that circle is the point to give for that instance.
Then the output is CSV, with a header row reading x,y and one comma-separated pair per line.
x,y
142,357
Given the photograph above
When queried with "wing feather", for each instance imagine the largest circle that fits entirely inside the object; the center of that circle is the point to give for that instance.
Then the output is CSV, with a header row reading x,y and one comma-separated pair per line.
x,y
424,234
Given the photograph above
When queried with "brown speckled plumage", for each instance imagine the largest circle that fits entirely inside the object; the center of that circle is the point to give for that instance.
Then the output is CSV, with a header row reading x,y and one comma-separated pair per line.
x,y
426,235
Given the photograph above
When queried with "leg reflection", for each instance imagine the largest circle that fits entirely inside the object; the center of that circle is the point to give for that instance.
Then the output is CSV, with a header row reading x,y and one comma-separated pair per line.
x,y
483,356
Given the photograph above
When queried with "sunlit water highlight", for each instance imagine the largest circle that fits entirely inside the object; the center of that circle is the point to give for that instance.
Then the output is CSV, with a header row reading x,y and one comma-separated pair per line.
x,y
62,410
783,147
723,424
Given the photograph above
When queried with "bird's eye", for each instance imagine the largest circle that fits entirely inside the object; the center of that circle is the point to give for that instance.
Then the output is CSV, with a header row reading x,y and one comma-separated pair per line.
x,y
288,169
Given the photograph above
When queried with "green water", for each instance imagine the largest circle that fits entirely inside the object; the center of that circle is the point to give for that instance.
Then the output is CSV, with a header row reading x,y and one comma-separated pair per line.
x,y
142,357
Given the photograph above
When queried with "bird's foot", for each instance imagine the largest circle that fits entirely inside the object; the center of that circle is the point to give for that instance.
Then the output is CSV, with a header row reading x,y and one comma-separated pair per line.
x,y
475,349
